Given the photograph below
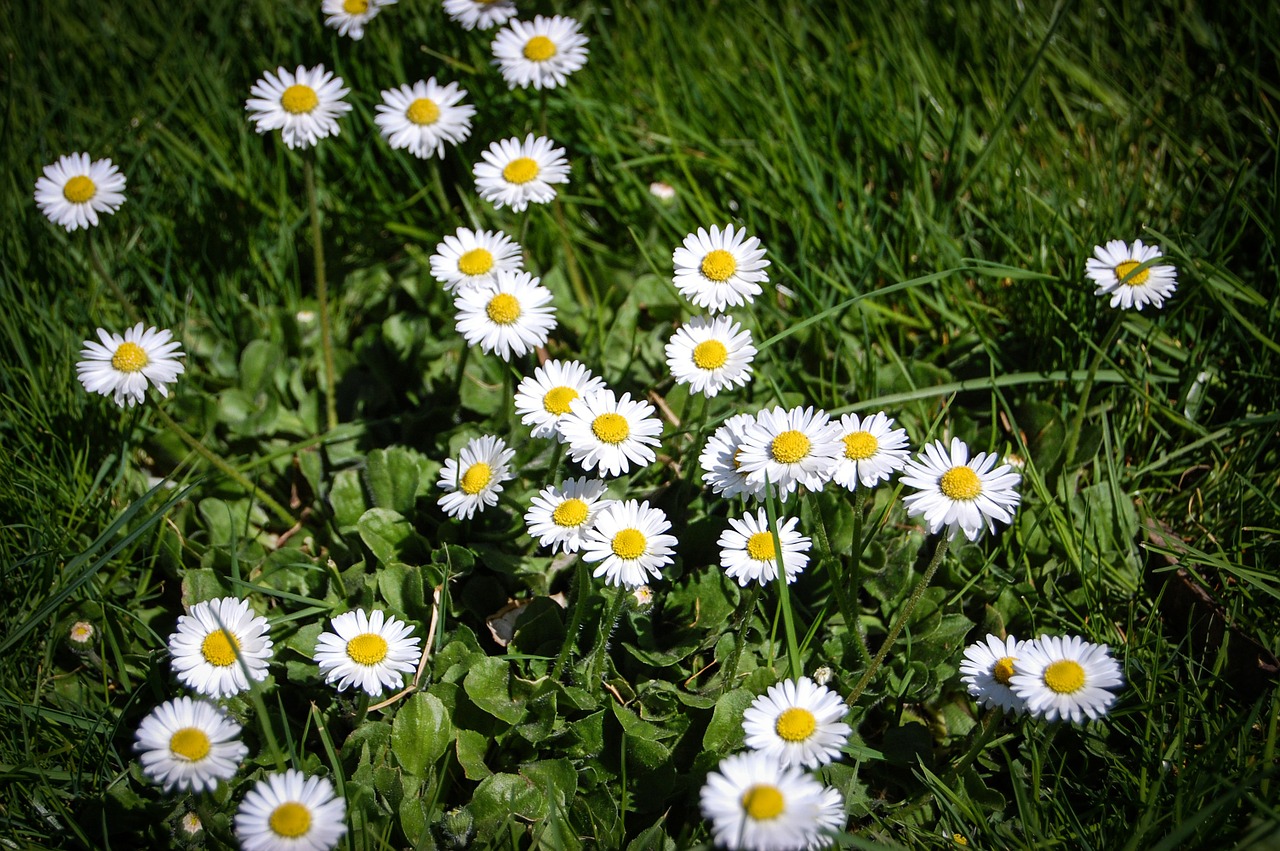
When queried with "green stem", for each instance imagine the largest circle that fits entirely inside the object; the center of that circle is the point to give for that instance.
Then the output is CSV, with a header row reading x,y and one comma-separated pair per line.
x,y
729,671
362,710
784,594
460,371
607,625
1077,420
575,619
844,585
101,268
322,295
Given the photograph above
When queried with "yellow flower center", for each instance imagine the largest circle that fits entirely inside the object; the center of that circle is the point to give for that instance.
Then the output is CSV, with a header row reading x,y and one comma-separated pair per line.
x,y
760,546
571,513
355,7
629,544
1126,275
520,170
130,357
795,724
718,265
476,477
477,261
290,820
763,802
503,308
860,445
1003,670
423,111
737,458
789,447
558,399
710,354
299,99
368,648
219,648
960,483
190,743
79,189
611,428
539,49
959,840
1064,676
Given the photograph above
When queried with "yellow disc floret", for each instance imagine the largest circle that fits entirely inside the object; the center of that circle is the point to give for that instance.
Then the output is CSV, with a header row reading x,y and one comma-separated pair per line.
x,y
760,546
423,112
629,544
290,820
1064,676
558,399
789,447
539,49
299,99
219,648
79,189
477,261
611,428
710,354
368,648
130,357
718,266
476,478
860,445
960,483
520,170
763,802
1003,670
190,743
795,724
1126,275
570,514
355,7
503,308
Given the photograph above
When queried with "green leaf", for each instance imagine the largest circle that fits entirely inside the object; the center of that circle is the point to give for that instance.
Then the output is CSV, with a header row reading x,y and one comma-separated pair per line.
x,y
501,797
488,684
392,478
258,362
388,535
346,497
644,744
421,733
470,749
401,587
724,732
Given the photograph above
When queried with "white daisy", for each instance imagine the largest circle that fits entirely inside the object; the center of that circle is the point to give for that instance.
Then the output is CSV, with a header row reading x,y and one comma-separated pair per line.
x,y
961,495
1114,268
472,258
721,459
121,366
480,14
513,173
348,17
369,651
747,553
989,667
1066,679
541,54
787,448
830,819
474,479
630,543
291,812
544,397
710,354
74,191
304,105
512,316
664,192
424,117
81,634
216,642
755,803
189,745
873,450
560,516
720,268
797,722
190,823
609,433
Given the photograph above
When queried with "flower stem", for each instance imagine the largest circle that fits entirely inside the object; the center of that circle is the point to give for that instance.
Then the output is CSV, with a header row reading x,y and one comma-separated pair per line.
x,y
847,584
580,596
784,594
101,268
729,672
1077,420
322,295
607,625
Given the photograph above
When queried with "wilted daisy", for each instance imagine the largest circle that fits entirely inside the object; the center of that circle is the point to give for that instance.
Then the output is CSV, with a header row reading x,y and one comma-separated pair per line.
x,y
121,366
788,448
721,268
304,105
480,14
424,117
747,553
541,54
472,258
474,479
512,316
1066,679
1114,268
710,354
609,433
215,642
561,515
368,651
797,722
74,191
988,668
754,802
513,173
959,494
544,397
873,450
348,17
291,812
721,459
628,543
189,745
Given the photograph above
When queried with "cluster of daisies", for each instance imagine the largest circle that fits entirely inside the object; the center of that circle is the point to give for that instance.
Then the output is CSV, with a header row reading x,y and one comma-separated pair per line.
x,y
1053,678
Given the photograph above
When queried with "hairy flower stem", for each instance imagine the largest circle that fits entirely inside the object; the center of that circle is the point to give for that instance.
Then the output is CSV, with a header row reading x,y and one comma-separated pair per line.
x,y
607,625
1082,407
729,672
322,295
784,596
580,595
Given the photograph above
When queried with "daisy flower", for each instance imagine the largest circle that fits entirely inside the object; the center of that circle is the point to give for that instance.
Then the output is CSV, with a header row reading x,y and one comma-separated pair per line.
x,y
81,634
710,354
959,494
370,651
190,823
797,722
629,542
121,367
786,449
424,117
291,812
348,17
560,516
721,268
513,173
304,106
472,258
1114,268
544,397
473,481
747,553
189,745
610,433
541,54
830,819
216,642
480,14
74,191
753,802
512,317
873,450
721,459
1066,679
989,667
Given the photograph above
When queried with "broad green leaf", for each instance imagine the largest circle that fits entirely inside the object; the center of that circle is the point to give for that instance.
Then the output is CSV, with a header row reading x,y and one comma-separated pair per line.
x,y
388,535
346,497
392,478
488,684
421,733
724,731
470,748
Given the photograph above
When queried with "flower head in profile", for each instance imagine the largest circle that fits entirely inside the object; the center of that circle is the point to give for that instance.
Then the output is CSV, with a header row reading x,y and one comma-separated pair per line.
x,y
1066,679
561,515
541,53
1123,272
629,543
291,812
748,554
789,448
189,745
73,191
369,651
958,494
797,722
873,451
424,117
721,459
473,481
304,105
720,269
219,646
122,366
544,397
711,354
755,803
480,14
512,317
512,173
348,17
469,259
610,434
988,669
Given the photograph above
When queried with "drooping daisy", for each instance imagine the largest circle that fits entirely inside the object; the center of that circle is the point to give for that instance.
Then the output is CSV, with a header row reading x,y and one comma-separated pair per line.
x,y
348,17
368,651
755,803
544,397
721,459
189,745
1114,268
608,433
560,516
214,644
959,494
121,366
424,117
1066,678
711,354
989,667
512,173
472,258
513,316
480,14
291,812
873,451
303,105
721,268
474,479
747,553
628,543
797,722
73,191
541,54
788,448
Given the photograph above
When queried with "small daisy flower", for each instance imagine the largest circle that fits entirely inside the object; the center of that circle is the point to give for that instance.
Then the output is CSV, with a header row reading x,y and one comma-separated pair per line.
x,y
989,667
721,459
513,173
959,494
74,191
348,17
215,642
664,192
369,651
473,258
1114,268
747,553
291,812
873,451
711,354
121,366
81,634
721,268
755,803
1066,679
424,117
512,317
473,481
797,722
609,433
788,448
190,823
189,745
544,397
628,543
304,105
541,54
560,516
480,14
